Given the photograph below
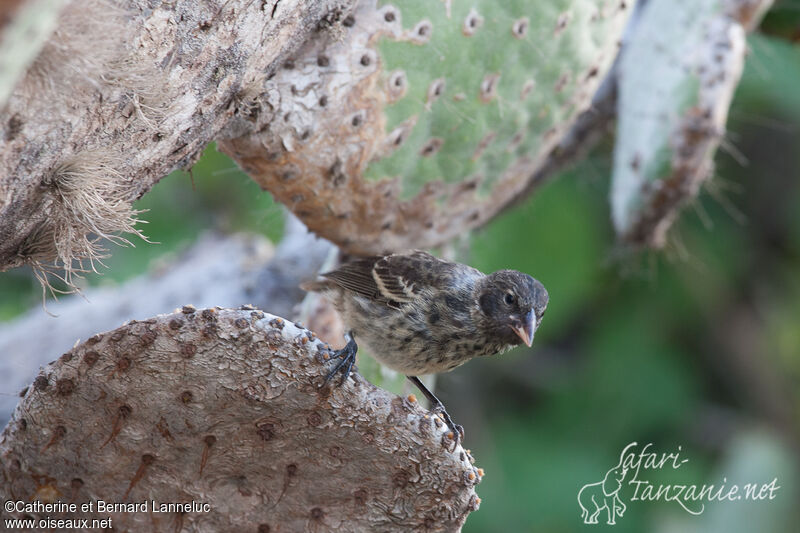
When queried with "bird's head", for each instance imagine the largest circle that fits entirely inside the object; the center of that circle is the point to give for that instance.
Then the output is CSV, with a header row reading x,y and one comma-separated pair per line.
x,y
512,305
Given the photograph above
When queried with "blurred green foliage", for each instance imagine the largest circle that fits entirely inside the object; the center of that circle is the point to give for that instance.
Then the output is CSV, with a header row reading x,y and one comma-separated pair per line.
x,y
697,346
214,195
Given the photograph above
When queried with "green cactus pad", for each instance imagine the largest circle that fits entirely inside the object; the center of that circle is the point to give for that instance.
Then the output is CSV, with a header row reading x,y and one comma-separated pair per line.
x,y
489,80
416,121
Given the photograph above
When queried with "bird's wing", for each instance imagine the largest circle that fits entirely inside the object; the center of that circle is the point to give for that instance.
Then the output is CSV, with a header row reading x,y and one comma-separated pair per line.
x,y
392,279
403,277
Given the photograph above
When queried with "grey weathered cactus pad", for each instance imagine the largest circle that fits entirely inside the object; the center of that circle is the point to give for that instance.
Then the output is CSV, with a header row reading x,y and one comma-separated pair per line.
x,y
672,115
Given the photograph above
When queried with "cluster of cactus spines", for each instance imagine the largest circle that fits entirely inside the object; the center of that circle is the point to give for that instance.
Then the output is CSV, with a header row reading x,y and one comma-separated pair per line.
x,y
89,208
672,115
420,120
211,406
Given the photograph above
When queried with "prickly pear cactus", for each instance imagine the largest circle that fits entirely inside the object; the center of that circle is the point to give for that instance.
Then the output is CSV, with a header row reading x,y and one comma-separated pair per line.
x,y
222,411
671,115
418,121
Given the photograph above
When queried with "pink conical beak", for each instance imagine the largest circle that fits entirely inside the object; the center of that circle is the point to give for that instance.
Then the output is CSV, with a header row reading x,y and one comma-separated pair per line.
x,y
527,329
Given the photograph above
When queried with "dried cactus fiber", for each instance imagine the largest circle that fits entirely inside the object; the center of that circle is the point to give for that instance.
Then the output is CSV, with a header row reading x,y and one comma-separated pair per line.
x,y
420,120
120,94
223,407
672,115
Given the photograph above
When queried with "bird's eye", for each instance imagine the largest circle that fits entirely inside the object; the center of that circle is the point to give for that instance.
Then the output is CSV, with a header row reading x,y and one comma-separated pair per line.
x,y
509,299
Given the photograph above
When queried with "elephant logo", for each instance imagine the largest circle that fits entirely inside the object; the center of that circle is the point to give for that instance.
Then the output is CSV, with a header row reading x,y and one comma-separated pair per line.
x,y
594,497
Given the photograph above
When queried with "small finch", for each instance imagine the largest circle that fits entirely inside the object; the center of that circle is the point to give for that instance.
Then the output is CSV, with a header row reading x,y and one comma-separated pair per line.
x,y
420,315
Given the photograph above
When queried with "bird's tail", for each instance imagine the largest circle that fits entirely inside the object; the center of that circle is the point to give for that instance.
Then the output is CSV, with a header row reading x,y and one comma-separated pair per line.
x,y
316,286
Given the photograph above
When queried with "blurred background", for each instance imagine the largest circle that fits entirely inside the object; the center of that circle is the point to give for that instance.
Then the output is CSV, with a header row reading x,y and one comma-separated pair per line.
x,y
697,346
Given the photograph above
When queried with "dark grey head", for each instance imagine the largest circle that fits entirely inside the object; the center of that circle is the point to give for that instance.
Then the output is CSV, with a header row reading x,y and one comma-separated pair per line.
x,y
513,304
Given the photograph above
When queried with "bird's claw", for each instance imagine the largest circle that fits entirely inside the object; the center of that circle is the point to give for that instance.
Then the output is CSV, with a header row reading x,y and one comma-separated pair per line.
x,y
457,429
348,358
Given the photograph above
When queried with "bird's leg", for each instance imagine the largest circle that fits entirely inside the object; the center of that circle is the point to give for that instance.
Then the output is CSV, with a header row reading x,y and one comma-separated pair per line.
x,y
347,356
437,405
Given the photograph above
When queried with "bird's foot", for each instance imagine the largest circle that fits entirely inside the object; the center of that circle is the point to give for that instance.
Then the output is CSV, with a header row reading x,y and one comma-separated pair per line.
x,y
346,356
457,429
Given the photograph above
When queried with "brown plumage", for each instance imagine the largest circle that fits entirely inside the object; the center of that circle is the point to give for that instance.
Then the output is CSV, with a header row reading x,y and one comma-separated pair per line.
x,y
420,315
